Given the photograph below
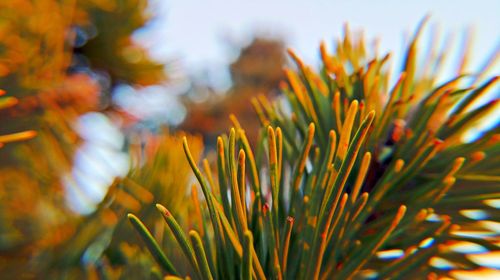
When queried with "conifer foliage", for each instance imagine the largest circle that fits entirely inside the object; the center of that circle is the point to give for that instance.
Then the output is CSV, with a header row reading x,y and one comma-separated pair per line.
x,y
351,168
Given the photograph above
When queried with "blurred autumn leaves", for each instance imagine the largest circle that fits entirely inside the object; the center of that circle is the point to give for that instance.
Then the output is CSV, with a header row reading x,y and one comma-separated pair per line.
x,y
41,41
67,54
58,60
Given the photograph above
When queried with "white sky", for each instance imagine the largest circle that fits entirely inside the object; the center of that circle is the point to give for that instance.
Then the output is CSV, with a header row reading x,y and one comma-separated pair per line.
x,y
193,31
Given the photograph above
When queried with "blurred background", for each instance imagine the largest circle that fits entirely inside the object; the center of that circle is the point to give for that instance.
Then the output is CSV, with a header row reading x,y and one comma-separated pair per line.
x,y
96,94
